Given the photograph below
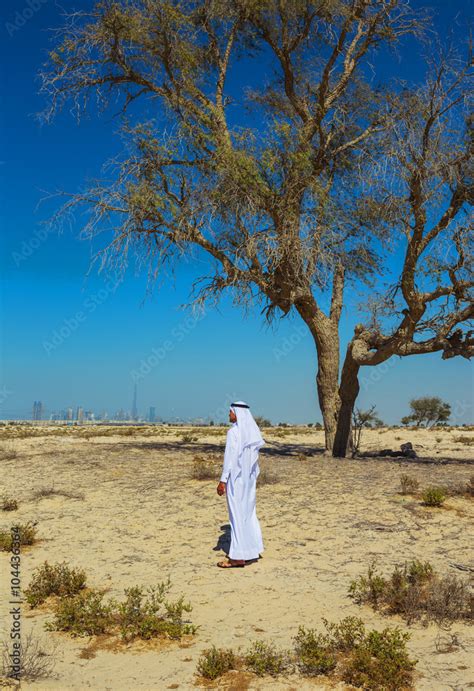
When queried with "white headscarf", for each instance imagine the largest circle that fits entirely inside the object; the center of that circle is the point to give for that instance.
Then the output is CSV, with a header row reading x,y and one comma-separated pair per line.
x,y
249,437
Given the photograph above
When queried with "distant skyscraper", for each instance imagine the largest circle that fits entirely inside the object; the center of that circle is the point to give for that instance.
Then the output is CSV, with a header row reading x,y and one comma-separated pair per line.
x,y
134,404
152,414
69,414
80,414
37,410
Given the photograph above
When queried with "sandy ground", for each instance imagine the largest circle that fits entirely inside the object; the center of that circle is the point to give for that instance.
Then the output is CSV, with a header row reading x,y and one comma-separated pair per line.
x,y
141,517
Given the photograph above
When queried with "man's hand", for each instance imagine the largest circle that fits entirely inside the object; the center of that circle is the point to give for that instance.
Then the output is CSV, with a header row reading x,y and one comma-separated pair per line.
x,y
221,488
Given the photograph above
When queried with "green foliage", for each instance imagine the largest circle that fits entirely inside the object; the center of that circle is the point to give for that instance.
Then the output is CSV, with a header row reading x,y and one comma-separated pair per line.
x,y
263,658
9,504
314,652
346,635
409,485
427,411
142,614
381,662
54,579
26,533
368,589
434,496
150,615
84,614
215,662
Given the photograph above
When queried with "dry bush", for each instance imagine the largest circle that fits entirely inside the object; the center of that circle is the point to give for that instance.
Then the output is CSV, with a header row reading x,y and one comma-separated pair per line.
x,y
415,592
9,503
37,659
409,485
26,536
204,469
54,579
45,492
267,477
469,441
7,454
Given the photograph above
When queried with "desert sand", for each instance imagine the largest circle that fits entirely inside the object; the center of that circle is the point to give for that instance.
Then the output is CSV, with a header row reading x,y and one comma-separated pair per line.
x,y
137,516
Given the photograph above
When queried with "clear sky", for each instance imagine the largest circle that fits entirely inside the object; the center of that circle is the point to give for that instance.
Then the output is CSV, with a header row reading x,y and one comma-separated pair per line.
x,y
69,339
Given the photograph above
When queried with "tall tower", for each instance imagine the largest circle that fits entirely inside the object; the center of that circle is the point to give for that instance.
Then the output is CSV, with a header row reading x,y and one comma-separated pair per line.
x,y
134,404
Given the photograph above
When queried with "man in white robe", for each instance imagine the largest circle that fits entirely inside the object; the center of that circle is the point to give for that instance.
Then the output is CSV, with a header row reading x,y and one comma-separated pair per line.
x,y
238,482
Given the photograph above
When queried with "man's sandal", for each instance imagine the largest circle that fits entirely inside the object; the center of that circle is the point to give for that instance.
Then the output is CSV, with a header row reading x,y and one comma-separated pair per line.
x,y
229,564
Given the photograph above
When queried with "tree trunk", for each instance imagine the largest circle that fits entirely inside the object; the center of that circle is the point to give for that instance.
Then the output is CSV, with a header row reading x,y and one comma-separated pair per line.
x,y
348,392
327,379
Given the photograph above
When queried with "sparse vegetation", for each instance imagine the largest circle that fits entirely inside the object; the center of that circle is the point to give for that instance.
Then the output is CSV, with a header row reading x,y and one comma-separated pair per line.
x,y
142,614
409,485
362,419
25,535
415,592
44,492
188,437
7,454
204,469
84,614
267,477
215,662
263,658
434,496
469,441
9,503
149,614
54,579
368,659
37,658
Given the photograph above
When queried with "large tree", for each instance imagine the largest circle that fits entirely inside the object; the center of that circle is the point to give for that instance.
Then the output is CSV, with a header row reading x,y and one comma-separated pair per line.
x,y
252,129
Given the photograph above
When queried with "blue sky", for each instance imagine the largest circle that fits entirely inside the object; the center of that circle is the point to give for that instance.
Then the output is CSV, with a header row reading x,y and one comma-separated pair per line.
x,y
69,339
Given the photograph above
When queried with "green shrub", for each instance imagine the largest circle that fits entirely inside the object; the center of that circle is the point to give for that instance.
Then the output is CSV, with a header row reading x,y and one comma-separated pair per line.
x,y
54,579
150,615
263,658
188,437
409,485
368,589
434,496
9,504
26,536
381,662
215,662
140,615
84,614
314,653
346,635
